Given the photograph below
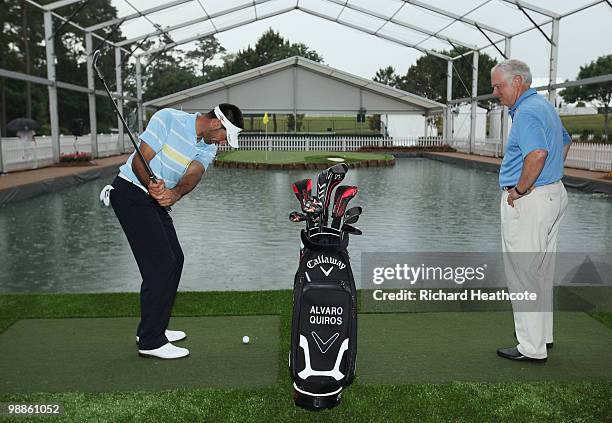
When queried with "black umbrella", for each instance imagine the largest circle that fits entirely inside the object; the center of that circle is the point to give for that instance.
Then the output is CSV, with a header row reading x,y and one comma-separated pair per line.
x,y
22,124
77,127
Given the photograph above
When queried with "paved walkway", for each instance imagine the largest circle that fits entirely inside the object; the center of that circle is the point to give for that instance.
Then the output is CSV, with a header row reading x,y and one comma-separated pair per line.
x,y
25,177
576,173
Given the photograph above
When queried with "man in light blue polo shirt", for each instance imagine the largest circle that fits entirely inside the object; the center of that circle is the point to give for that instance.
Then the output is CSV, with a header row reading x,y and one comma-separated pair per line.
x,y
532,205
178,148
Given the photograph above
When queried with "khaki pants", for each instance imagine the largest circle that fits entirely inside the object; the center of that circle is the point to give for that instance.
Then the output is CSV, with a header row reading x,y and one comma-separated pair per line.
x,y
532,226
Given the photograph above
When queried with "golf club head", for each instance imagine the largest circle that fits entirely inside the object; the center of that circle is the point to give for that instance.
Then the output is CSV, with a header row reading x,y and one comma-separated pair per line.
x,y
353,211
302,190
339,168
312,206
352,219
297,217
95,60
344,194
351,230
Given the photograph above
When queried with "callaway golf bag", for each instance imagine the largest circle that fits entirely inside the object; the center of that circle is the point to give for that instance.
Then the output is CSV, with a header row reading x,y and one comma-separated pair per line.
x,y
324,325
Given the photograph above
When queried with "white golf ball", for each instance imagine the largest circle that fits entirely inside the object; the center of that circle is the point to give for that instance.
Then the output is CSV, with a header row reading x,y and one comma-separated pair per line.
x,y
245,339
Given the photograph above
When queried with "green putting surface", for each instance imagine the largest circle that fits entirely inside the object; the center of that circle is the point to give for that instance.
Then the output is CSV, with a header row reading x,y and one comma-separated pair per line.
x,y
100,355
443,347
280,157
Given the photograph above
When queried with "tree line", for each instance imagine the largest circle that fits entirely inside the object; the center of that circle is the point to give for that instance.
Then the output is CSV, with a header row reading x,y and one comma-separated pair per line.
x,y
22,49
427,77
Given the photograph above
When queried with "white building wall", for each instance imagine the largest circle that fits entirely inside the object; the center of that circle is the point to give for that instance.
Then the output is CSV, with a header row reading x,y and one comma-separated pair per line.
x,y
575,111
401,126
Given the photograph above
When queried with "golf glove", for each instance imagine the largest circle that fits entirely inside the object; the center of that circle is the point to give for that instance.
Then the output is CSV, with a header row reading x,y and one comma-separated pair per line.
x,y
105,194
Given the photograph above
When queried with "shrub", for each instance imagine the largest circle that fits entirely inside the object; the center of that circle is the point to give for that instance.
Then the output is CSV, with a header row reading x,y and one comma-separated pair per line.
x,y
585,134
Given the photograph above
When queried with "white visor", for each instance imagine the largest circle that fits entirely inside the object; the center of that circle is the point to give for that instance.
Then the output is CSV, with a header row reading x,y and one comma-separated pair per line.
x,y
231,129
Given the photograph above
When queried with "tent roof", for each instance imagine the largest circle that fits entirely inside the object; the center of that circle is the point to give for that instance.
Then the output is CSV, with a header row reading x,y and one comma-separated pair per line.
x,y
428,26
341,77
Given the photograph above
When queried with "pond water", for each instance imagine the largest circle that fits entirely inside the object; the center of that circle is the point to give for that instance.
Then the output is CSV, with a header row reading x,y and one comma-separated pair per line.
x,y
236,235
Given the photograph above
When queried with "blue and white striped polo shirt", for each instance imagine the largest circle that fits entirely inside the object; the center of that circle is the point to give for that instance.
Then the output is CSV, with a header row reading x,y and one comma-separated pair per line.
x,y
172,135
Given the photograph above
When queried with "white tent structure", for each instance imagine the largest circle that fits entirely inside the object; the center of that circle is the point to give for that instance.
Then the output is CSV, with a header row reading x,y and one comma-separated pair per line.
x,y
298,85
462,123
427,26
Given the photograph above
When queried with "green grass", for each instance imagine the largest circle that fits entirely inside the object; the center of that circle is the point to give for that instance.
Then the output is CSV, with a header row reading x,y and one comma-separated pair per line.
x,y
453,402
593,124
284,157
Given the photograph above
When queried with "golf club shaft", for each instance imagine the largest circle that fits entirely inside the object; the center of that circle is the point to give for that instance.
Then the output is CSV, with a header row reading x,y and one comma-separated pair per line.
x,y
125,125
152,176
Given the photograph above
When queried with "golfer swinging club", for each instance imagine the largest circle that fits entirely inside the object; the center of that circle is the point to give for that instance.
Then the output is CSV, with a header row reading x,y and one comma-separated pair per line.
x,y
178,147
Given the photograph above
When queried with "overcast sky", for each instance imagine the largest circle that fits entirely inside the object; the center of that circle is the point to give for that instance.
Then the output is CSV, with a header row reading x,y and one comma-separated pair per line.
x,y
583,36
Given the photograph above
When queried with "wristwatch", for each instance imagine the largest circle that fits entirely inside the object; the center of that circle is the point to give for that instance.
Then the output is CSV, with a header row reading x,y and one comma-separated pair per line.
x,y
520,193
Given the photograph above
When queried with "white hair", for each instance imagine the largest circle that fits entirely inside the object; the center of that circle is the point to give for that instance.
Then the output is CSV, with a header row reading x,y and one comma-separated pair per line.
x,y
511,68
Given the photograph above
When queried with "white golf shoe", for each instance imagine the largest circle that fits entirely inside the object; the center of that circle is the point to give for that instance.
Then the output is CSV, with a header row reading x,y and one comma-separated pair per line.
x,y
166,352
172,335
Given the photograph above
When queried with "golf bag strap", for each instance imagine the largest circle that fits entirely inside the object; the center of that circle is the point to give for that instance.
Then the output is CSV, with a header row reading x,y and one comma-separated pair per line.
x,y
325,248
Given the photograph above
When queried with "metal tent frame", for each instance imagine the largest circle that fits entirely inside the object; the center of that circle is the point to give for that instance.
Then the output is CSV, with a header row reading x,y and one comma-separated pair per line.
x,y
382,20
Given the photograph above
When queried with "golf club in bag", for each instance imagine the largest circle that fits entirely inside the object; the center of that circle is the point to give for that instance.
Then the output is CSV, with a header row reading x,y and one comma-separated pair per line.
x,y
326,182
324,325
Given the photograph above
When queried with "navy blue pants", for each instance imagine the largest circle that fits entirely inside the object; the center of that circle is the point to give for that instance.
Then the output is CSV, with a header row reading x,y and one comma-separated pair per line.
x,y
151,235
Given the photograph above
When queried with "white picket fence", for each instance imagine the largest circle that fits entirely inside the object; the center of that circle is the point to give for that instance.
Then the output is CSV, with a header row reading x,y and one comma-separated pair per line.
x,y
18,154
582,155
591,156
331,143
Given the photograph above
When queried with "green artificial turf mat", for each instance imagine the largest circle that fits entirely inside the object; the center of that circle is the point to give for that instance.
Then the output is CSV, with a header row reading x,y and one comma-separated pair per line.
x,y
444,347
100,355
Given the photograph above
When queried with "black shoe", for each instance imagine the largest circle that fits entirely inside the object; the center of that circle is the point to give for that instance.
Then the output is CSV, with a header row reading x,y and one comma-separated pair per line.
x,y
514,354
549,345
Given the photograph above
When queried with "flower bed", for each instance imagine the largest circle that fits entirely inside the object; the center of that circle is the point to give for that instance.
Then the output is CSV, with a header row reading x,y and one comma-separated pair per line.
x,y
75,157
